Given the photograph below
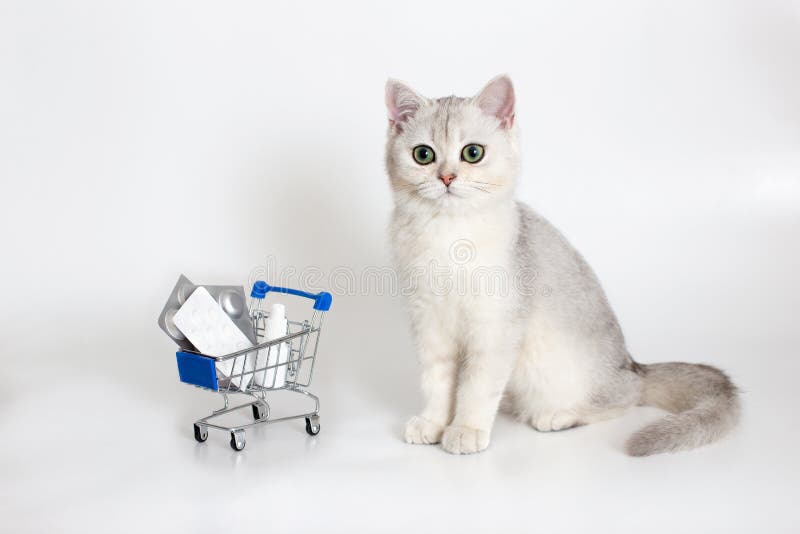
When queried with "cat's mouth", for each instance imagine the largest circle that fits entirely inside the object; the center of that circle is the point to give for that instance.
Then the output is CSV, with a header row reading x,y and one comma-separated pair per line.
x,y
446,194
462,190
449,192
433,192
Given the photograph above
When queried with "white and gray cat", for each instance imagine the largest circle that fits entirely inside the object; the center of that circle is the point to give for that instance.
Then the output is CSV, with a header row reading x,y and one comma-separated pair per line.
x,y
556,358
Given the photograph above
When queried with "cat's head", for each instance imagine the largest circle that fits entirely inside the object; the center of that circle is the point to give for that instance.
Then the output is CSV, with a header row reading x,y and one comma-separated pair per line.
x,y
452,153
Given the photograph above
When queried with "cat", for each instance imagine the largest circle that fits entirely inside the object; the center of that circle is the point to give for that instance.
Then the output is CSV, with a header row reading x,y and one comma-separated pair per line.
x,y
548,350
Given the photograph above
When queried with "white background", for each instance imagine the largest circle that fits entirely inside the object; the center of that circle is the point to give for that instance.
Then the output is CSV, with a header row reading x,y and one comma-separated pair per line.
x,y
140,140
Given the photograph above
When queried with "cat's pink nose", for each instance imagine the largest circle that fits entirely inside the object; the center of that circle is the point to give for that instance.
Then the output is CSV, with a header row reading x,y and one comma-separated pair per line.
x,y
447,179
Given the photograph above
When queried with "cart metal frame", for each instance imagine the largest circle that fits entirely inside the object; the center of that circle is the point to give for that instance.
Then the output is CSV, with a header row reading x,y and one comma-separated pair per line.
x,y
299,346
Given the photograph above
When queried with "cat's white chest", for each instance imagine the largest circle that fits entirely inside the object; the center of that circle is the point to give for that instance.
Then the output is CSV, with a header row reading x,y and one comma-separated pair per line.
x,y
445,256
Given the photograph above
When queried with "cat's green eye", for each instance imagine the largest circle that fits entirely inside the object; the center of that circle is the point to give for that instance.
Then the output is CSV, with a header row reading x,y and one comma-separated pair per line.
x,y
423,154
472,153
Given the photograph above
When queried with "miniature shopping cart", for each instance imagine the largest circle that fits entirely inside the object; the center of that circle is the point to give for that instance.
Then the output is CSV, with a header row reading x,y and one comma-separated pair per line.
x,y
284,363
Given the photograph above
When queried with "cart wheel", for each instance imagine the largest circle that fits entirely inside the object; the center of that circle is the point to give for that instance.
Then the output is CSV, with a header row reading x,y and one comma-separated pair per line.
x,y
258,411
312,425
237,440
200,433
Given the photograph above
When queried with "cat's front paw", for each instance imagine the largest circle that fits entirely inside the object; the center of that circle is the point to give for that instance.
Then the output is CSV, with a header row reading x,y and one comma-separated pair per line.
x,y
422,431
464,440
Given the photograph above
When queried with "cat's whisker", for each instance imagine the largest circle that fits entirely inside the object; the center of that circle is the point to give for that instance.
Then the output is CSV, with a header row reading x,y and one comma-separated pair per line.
x,y
471,185
409,187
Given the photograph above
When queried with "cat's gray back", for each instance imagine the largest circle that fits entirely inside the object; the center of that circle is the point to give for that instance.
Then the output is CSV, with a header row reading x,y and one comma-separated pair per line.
x,y
564,285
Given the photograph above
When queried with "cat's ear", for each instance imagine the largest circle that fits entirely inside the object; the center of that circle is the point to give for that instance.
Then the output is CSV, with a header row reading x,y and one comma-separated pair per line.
x,y
402,102
497,99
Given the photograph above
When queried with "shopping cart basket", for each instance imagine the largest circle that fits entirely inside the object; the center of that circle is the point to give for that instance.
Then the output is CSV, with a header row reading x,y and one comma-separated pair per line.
x,y
268,366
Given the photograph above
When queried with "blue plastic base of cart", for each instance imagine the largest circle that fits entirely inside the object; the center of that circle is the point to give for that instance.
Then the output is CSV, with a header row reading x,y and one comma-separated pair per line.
x,y
197,370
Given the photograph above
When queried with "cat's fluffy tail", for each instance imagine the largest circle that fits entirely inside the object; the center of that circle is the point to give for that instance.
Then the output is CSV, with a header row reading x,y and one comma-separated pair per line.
x,y
703,401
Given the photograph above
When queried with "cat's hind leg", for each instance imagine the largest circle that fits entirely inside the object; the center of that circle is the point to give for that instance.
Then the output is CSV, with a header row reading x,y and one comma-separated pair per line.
x,y
560,384
550,421
551,402
553,421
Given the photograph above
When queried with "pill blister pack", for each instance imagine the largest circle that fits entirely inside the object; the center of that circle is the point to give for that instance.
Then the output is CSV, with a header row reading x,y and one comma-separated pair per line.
x,y
230,298
213,332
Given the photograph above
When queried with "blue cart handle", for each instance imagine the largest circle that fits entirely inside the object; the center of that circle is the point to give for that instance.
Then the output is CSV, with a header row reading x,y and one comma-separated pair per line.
x,y
322,300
